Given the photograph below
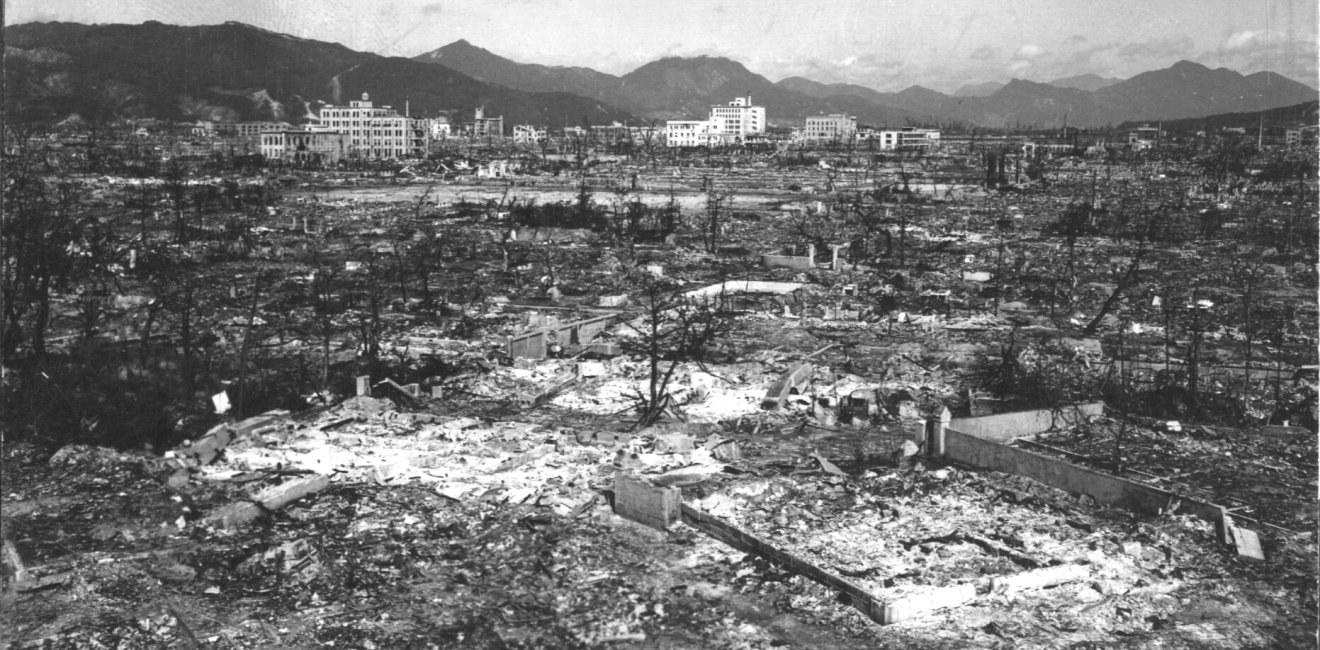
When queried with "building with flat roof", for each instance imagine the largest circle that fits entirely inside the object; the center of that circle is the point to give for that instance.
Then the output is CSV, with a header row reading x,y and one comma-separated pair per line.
x,y
907,138
485,127
304,146
689,133
734,121
377,132
829,128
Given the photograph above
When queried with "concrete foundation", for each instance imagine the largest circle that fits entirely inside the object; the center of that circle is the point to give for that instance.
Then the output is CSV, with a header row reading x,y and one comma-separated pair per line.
x,y
1104,488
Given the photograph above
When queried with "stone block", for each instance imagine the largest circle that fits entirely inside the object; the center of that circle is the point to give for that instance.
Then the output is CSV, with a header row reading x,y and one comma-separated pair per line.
x,y
588,369
645,503
927,601
1247,543
673,443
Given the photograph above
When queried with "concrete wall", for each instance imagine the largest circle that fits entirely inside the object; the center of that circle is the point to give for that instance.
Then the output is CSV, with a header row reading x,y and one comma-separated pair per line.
x,y
1105,489
795,378
1006,426
527,346
532,345
787,262
744,286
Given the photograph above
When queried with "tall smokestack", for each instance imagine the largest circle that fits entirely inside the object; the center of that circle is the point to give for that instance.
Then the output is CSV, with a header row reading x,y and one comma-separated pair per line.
x,y
406,111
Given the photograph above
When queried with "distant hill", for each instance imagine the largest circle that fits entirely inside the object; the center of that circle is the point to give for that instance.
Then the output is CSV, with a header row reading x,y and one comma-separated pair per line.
x,y
239,72
669,88
1304,114
821,90
978,90
1188,89
484,65
678,87
1089,82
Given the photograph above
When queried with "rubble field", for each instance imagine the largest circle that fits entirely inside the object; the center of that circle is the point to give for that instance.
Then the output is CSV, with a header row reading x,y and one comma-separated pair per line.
x,y
686,402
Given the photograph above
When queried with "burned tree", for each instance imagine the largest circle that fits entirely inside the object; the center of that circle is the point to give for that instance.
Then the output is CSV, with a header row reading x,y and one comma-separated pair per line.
x,y
674,328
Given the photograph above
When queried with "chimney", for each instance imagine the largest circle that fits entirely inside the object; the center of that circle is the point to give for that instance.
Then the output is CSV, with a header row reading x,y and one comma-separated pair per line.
x,y
406,109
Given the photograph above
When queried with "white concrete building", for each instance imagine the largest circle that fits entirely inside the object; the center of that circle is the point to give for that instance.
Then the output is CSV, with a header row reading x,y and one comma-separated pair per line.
x,y
829,128
905,138
689,133
377,131
731,123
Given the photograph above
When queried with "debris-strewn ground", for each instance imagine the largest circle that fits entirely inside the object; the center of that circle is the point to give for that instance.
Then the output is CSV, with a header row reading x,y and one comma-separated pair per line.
x,y
468,503
441,531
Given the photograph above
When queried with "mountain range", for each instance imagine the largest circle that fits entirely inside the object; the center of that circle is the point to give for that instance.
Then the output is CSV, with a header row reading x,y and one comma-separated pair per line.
x,y
234,71
685,87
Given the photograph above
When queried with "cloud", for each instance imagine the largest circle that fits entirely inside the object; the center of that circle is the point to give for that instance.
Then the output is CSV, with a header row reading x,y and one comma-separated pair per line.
x,y
983,53
1028,52
431,9
1074,40
1240,40
1248,52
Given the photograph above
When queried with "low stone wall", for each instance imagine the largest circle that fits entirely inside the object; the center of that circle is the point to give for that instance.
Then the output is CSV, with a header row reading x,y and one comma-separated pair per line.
x,y
1006,426
1105,489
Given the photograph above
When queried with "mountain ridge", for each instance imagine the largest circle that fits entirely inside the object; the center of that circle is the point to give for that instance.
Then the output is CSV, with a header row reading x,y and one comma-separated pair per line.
x,y
236,71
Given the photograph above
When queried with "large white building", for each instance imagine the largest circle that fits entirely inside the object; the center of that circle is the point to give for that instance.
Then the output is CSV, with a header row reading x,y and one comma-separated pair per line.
x,y
377,131
829,128
905,138
731,123
737,120
689,133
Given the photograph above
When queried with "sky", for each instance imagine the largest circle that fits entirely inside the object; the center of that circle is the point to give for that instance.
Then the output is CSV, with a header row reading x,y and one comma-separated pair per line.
x,y
887,45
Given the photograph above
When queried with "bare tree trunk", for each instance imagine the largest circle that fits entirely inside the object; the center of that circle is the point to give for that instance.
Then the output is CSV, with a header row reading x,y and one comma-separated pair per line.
x,y
247,346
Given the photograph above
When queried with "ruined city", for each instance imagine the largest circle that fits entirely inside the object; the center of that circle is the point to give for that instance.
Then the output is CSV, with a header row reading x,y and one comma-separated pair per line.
x,y
309,347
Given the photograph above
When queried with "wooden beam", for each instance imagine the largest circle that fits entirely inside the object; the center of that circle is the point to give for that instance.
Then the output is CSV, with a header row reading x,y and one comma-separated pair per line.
x,y
859,598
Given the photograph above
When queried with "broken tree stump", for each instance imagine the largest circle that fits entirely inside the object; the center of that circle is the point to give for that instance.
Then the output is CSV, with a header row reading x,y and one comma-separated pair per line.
x,y
241,513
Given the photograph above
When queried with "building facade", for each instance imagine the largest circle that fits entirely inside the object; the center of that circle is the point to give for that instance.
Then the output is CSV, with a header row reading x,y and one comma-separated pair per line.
x,y
689,133
732,123
377,132
485,127
906,138
304,146
248,129
528,134
829,128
